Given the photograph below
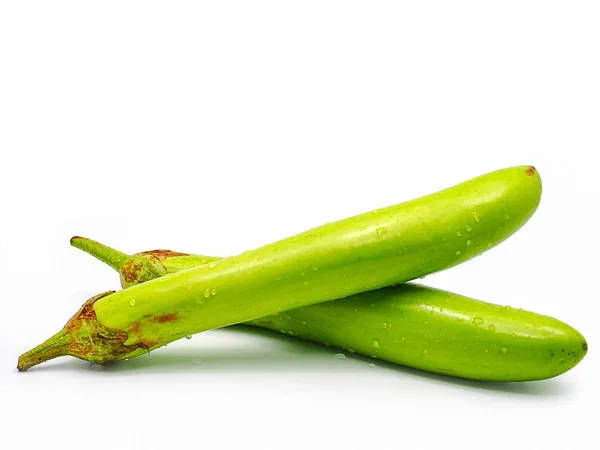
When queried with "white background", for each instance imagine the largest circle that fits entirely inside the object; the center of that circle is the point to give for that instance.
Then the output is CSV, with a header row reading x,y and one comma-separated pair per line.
x,y
216,127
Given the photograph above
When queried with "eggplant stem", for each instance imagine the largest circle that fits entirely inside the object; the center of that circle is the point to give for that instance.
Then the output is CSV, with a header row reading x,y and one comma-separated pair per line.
x,y
114,258
56,346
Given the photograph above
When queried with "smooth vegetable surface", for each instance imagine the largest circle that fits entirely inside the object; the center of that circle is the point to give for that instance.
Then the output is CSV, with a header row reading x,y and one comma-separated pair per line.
x,y
439,332
369,251
416,326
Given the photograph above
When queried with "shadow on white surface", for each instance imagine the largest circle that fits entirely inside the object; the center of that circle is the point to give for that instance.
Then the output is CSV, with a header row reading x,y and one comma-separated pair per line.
x,y
286,354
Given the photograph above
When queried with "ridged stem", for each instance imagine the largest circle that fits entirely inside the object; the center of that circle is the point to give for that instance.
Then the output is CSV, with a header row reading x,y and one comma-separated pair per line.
x,y
57,345
104,253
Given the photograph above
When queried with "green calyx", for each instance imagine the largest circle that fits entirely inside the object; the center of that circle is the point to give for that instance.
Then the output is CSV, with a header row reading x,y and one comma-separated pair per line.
x,y
82,337
133,269
140,267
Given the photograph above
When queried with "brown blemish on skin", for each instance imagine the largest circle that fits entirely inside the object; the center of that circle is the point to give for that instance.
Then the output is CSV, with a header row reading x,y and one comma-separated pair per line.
x,y
135,327
149,344
166,318
87,311
163,254
530,171
131,270
585,346
108,340
146,316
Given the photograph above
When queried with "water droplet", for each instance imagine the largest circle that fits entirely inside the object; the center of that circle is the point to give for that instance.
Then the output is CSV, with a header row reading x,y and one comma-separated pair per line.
x,y
504,350
132,302
403,338
489,244
469,242
506,216
206,293
375,343
384,325
199,301
514,335
204,261
213,291
476,216
196,361
458,252
283,331
492,328
477,321
371,365
340,356
507,307
290,332
431,312
188,337
380,232
390,324
212,265
486,350
304,322
459,233
363,228
427,321
96,366
425,352
468,228
315,268
351,350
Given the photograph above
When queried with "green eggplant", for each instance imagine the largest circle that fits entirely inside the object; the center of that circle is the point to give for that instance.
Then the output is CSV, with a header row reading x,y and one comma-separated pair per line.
x,y
380,248
407,324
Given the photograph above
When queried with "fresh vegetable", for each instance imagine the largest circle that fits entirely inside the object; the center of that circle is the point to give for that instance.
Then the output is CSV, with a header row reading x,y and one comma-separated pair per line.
x,y
412,325
439,331
369,251
144,266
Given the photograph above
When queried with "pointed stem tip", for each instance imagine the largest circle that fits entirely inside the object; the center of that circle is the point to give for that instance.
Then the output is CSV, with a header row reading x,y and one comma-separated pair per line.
x,y
104,253
57,345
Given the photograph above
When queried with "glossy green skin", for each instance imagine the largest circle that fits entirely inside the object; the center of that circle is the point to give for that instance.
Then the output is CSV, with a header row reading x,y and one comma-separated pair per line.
x,y
361,253
428,329
439,331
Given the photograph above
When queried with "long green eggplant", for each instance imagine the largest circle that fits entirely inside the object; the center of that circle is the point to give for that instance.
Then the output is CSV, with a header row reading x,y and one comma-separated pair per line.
x,y
365,252
408,324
